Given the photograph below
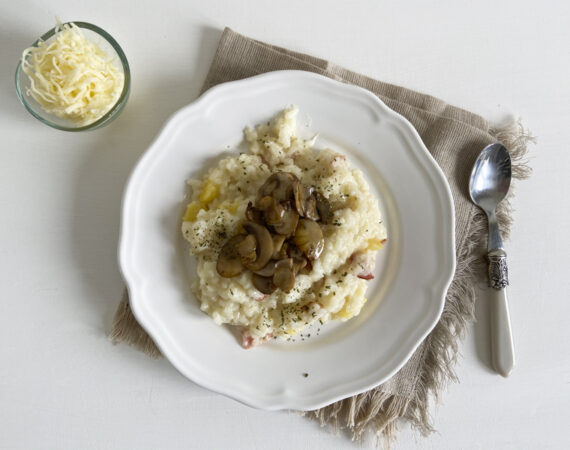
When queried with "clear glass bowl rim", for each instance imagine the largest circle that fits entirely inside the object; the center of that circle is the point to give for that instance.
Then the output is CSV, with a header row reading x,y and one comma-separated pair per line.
x,y
118,104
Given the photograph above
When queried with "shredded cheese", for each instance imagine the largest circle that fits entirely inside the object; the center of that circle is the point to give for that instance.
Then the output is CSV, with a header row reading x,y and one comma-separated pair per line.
x,y
71,77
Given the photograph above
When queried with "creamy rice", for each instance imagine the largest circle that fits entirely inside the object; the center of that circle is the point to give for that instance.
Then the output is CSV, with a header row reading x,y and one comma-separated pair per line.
x,y
335,287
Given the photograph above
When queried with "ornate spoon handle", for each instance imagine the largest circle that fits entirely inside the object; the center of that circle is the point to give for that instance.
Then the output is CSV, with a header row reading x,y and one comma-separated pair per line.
x,y
502,348
498,270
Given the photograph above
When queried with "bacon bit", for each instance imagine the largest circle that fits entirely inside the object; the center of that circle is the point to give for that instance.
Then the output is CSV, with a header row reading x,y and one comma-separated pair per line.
x,y
247,340
261,298
383,241
366,266
338,160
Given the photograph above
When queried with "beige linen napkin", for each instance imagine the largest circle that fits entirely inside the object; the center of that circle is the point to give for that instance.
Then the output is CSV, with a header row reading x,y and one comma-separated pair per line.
x,y
454,137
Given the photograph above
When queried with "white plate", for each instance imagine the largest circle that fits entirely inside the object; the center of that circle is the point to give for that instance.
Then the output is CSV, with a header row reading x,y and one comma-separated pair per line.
x,y
414,269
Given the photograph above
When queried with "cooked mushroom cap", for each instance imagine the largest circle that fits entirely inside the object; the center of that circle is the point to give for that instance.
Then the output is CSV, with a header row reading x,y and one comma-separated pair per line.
x,y
263,284
246,248
268,187
324,208
299,264
294,252
299,196
305,201
309,238
307,268
284,278
264,202
278,240
311,211
252,214
264,248
273,213
279,186
298,257
268,270
288,223
229,260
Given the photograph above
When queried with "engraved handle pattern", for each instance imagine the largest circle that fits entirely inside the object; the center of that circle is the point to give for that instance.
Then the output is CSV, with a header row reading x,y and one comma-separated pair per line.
x,y
498,270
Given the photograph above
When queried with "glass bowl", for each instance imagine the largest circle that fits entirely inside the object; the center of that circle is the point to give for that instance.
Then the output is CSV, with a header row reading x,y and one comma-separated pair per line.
x,y
107,44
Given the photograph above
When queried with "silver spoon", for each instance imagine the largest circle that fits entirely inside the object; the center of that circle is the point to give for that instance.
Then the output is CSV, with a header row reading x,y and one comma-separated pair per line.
x,y
488,185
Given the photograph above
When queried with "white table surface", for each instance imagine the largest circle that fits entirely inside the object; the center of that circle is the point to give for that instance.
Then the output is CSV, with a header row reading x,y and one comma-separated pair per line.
x,y
64,386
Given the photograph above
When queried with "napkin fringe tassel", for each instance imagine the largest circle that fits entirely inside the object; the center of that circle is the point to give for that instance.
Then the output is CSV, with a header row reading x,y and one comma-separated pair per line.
x,y
126,329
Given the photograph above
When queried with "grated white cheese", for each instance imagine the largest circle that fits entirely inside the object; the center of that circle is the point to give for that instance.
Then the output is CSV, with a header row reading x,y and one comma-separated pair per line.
x,y
71,77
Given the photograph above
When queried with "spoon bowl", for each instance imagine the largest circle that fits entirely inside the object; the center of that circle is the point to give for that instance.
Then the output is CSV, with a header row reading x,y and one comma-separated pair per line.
x,y
491,177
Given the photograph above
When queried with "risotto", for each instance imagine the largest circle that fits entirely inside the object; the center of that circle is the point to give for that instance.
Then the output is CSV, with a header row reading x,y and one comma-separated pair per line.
x,y
284,235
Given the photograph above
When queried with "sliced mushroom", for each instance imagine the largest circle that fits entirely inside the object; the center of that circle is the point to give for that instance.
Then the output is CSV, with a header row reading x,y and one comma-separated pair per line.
x,y
299,265
278,240
246,249
288,223
311,211
263,284
299,259
307,268
264,202
268,270
299,197
283,252
309,238
284,190
229,260
294,252
305,201
279,186
323,207
284,278
264,247
268,187
273,213
252,214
